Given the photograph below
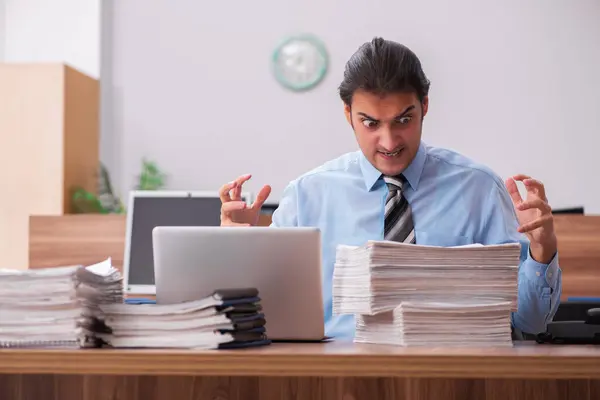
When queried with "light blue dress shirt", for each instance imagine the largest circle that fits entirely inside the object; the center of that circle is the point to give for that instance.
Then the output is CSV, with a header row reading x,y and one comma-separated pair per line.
x,y
454,201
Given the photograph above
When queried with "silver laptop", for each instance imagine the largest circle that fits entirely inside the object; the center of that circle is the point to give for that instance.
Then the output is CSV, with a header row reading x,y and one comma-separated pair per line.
x,y
284,264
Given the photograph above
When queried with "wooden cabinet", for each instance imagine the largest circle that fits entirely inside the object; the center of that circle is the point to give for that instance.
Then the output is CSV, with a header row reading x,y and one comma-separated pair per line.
x,y
81,239
49,122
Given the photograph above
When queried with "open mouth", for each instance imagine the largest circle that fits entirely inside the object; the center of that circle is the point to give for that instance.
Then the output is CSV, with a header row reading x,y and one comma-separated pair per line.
x,y
390,154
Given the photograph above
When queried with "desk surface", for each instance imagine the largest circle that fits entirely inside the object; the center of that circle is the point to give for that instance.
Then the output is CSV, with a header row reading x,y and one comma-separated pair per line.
x,y
528,361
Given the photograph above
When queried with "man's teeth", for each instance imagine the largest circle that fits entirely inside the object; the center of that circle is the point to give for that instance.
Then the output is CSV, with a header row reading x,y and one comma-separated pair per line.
x,y
391,154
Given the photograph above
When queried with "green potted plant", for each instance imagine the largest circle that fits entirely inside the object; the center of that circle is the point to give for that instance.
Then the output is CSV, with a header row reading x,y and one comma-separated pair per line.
x,y
106,201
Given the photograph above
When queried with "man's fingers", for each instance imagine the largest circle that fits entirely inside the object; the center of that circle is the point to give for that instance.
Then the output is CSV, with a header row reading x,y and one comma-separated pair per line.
x,y
520,177
233,186
535,202
535,224
224,192
513,191
535,186
236,192
262,196
241,179
233,206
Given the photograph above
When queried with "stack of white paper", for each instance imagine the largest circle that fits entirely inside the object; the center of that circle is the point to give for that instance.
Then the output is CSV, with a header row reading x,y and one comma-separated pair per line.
x,y
438,324
398,289
53,307
208,323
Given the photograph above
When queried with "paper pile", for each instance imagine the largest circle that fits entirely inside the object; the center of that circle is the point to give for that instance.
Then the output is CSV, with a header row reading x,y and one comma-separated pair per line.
x,y
226,319
438,324
56,307
408,294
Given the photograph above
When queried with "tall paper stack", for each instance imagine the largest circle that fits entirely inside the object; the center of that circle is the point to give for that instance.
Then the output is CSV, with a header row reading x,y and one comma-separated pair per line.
x,y
416,295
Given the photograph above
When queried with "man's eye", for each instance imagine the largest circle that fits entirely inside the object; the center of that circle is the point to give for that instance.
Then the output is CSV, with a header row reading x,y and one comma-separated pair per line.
x,y
369,123
404,120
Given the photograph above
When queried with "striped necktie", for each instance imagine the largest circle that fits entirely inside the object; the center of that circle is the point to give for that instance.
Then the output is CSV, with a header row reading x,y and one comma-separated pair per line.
x,y
398,215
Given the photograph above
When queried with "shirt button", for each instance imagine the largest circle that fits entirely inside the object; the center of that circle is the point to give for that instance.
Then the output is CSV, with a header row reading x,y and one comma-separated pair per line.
x,y
550,274
537,273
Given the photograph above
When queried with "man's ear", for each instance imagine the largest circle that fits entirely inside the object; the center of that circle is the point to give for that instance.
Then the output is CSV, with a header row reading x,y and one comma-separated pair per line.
x,y
348,112
425,105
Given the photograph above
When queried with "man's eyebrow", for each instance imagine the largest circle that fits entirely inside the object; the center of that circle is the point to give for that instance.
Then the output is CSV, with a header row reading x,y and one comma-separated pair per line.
x,y
367,116
409,108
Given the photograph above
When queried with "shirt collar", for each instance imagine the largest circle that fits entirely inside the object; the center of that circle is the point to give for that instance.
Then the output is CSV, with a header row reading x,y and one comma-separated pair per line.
x,y
370,174
412,173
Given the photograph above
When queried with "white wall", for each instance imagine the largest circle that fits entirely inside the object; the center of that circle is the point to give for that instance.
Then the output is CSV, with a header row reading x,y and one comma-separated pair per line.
x,y
514,85
54,31
2,29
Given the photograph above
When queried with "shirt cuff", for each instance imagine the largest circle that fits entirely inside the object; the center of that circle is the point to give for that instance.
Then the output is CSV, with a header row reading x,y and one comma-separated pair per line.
x,y
545,274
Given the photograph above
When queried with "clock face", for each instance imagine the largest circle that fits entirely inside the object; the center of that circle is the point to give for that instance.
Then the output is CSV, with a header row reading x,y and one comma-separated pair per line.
x,y
300,63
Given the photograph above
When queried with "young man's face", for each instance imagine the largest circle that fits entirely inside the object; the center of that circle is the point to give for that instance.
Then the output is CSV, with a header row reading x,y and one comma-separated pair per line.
x,y
387,128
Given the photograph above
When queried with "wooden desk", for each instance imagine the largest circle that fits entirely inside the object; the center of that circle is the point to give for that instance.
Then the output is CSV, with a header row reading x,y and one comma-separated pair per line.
x,y
304,371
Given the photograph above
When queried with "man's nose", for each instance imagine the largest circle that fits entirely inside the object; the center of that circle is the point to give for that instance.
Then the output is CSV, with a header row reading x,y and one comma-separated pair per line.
x,y
387,139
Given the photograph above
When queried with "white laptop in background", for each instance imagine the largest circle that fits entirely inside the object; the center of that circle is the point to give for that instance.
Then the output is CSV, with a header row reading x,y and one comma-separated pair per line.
x,y
149,209
284,264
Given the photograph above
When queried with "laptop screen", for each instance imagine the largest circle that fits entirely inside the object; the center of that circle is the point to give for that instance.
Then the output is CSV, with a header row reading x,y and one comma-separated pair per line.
x,y
150,212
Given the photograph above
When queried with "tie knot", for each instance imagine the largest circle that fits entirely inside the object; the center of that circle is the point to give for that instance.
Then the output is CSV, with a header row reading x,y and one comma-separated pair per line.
x,y
394,182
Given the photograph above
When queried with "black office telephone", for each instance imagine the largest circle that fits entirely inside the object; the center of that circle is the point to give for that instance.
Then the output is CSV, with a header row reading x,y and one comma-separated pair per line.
x,y
581,331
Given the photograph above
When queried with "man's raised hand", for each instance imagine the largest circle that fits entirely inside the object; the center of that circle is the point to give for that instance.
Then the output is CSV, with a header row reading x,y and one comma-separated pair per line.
x,y
235,211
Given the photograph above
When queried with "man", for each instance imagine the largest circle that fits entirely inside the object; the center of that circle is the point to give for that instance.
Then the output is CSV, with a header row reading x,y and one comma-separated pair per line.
x,y
398,188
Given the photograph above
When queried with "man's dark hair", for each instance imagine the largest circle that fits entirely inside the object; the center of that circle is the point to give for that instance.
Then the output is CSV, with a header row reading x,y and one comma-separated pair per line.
x,y
381,67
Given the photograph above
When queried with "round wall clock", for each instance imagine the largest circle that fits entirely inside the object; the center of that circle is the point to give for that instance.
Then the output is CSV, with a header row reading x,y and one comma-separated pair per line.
x,y
300,62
